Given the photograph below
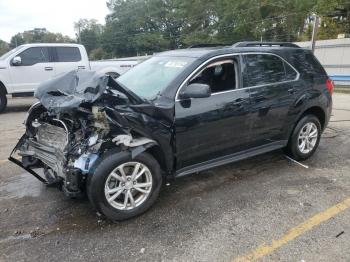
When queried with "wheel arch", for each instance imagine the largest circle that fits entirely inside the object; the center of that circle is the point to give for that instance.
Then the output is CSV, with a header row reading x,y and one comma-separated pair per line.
x,y
143,144
158,155
316,111
3,87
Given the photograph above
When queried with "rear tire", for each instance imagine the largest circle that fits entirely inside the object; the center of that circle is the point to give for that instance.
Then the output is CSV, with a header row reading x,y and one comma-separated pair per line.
x,y
305,138
3,100
107,188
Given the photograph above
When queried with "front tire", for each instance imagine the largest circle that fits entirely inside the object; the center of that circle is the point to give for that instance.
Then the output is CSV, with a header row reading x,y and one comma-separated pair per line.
x,y
3,100
305,138
121,188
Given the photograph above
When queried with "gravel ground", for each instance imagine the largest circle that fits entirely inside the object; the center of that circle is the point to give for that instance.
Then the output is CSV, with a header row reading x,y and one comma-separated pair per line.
x,y
216,215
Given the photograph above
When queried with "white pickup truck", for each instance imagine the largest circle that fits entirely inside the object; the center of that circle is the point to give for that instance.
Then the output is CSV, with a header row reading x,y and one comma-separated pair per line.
x,y
25,67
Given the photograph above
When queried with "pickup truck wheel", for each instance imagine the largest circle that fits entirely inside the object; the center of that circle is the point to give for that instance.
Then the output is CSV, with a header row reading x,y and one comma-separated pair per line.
x,y
305,138
121,188
3,100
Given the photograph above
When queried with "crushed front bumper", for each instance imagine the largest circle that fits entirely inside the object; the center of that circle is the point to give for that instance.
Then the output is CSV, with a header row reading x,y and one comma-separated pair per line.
x,y
20,164
32,152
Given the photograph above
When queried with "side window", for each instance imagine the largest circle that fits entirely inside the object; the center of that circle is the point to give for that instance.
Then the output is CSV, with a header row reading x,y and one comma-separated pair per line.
x,y
68,54
220,76
306,63
262,69
34,55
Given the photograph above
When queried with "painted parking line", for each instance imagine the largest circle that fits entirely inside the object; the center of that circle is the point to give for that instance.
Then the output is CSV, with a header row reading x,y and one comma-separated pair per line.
x,y
264,250
4,161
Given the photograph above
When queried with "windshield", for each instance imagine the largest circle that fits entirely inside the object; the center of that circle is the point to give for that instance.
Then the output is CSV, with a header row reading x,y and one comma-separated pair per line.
x,y
152,76
6,55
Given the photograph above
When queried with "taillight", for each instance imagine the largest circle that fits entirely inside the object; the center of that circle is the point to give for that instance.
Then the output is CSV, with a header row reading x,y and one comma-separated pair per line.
x,y
330,86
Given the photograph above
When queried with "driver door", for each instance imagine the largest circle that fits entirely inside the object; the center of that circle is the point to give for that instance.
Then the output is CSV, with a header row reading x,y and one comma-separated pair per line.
x,y
213,127
35,68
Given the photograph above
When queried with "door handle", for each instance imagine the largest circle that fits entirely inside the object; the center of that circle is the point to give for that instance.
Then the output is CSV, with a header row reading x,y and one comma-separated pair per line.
x,y
238,102
292,91
81,67
48,68
260,98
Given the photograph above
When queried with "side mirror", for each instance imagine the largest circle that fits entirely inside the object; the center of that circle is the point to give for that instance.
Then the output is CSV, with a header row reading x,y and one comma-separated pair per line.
x,y
17,61
196,91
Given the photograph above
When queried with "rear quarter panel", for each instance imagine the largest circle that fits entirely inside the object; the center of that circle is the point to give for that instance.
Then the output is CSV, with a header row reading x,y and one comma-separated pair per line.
x,y
311,87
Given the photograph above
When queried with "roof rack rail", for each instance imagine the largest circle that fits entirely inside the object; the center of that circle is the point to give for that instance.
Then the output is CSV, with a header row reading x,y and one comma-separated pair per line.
x,y
207,45
262,44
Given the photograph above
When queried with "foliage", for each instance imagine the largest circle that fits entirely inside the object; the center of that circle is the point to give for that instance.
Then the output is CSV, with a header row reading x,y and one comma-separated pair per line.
x,y
98,54
335,19
89,34
139,27
4,47
38,35
146,26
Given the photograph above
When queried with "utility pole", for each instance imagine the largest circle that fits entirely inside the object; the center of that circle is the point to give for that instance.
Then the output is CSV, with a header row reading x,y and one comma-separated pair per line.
x,y
314,33
79,40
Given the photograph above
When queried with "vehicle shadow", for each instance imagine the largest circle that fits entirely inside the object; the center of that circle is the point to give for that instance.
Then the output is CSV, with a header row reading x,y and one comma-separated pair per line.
x,y
16,108
201,191
15,105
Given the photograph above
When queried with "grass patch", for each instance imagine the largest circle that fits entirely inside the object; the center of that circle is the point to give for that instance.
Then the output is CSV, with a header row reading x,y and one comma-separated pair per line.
x,y
342,89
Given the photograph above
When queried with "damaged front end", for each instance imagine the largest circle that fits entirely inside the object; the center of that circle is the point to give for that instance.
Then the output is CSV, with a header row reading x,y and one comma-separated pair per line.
x,y
81,115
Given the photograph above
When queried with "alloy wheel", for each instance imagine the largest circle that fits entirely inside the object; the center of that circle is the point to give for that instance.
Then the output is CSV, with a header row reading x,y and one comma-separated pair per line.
x,y
128,186
307,138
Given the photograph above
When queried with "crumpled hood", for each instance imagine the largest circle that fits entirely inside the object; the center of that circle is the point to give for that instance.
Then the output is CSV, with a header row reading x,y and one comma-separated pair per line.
x,y
71,89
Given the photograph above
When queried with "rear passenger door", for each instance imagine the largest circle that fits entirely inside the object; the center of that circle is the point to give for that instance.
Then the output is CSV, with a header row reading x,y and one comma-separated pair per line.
x,y
272,85
68,58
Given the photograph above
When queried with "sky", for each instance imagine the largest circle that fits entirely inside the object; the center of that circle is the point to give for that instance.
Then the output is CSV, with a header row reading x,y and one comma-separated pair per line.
x,y
57,16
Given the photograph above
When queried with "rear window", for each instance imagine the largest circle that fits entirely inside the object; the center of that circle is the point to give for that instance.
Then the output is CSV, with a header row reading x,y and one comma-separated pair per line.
x,y
262,69
68,54
306,63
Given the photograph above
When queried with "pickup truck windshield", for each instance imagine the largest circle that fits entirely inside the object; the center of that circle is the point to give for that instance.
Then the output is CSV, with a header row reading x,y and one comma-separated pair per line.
x,y
152,76
6,55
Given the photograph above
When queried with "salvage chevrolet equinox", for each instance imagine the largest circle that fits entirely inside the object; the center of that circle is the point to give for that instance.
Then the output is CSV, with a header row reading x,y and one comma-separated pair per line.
x,y
177,113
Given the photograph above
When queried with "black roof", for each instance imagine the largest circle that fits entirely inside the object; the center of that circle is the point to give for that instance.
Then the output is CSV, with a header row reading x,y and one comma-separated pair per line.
x,y
208,51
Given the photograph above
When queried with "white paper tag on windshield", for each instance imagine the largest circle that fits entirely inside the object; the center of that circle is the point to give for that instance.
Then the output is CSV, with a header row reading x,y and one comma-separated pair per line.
x,y
177,64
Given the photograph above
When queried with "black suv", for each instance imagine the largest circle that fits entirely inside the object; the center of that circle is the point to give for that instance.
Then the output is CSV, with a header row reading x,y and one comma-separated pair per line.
x,y
177,113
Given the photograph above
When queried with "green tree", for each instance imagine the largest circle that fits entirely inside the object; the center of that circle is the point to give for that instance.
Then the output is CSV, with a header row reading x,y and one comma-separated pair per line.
x,y
17,40
98,54
335,18
4,47
38,35
147,26
89,33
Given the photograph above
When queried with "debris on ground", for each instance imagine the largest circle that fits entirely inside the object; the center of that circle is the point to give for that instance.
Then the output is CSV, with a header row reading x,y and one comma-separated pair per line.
x,y
339,234
296,162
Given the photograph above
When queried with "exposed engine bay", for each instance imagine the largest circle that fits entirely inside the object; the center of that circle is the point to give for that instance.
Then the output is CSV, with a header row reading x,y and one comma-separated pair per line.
x,y
81,115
